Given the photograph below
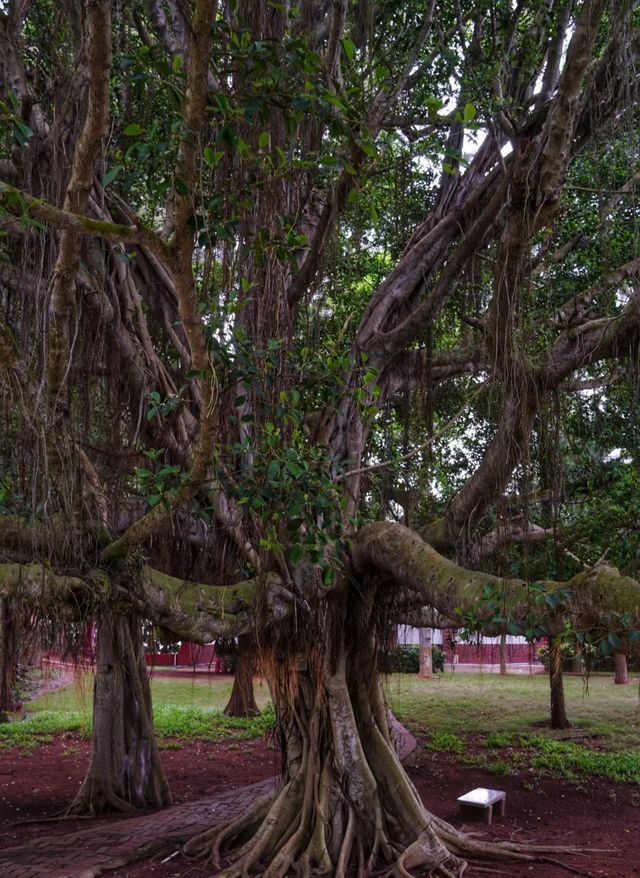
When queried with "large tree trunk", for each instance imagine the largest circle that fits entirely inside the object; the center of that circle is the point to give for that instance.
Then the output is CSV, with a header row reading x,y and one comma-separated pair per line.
x,y
346,804
8,658
425,653
125,771
622,674
559,719
242,701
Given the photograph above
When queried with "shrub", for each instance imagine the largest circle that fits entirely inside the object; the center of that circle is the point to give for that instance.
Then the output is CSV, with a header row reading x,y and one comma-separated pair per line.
x,y
406,660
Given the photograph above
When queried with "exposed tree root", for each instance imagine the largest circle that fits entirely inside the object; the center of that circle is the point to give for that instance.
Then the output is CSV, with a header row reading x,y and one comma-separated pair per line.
x,y
347,808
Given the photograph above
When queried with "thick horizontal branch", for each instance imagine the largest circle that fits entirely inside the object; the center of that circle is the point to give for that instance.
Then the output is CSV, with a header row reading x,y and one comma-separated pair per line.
x,y
400,555
201,613
515,531
190,610
39,586
21,204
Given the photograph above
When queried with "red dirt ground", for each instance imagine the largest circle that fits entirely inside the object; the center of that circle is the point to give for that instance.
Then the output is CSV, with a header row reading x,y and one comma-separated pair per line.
x,y
599,814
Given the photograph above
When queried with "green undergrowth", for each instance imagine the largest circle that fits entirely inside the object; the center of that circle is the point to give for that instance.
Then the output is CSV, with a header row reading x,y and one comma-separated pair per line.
x,y
40,728
174,724
198,724
503,753
568,759
446,742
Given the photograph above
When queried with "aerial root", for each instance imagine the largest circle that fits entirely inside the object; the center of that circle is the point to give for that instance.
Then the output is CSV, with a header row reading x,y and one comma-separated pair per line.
x,y
347,844
428,852
89,803
277,822
209,843
470,846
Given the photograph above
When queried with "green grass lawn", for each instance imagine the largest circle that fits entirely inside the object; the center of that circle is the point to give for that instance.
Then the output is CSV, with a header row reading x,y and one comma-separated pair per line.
x,y
485,720
187,709
479,704
210,692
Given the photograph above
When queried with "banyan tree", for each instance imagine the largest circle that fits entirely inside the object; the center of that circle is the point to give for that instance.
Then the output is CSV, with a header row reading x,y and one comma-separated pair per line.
x,y
258,261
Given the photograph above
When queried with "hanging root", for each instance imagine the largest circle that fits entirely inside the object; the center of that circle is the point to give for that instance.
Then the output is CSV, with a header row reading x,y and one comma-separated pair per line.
x,y
428,853
348,807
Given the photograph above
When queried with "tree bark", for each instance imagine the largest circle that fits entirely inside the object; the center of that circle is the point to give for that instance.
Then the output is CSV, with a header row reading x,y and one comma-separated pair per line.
x,y
242,701
425,653
8,658
503,655
622,674
346,804
559,719
125,771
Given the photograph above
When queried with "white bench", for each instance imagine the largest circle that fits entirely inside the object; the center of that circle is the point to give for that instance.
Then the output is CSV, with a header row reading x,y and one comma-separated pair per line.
x,y
484,800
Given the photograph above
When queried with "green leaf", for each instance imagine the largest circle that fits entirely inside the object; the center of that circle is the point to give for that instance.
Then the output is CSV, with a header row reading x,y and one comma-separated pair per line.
x,y
263,140
273,470
133,130
25,132
328,576
296,554
177,64
615,641
294,469
349,49
110,176
469,112
212,157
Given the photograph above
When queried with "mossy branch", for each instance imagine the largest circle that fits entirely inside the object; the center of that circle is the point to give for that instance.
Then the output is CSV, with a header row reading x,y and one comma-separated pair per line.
x,y
403,558
201,613
39,586
22,205
191,610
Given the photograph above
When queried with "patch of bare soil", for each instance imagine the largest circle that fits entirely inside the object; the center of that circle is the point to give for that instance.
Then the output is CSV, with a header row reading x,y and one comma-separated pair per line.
x,y
596,815
41,783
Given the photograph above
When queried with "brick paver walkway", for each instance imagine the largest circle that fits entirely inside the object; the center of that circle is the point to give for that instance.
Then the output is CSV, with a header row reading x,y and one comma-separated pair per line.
x,y
90,852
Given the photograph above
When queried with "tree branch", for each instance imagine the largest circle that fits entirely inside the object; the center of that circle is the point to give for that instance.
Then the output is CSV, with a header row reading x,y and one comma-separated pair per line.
x,y
390,550
22,205
182,268
98,51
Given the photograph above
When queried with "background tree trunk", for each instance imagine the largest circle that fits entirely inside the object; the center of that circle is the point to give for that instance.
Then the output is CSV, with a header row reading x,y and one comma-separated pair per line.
x,y
503,655
622,674
242,701
425,653
559,719
8,658
125,771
